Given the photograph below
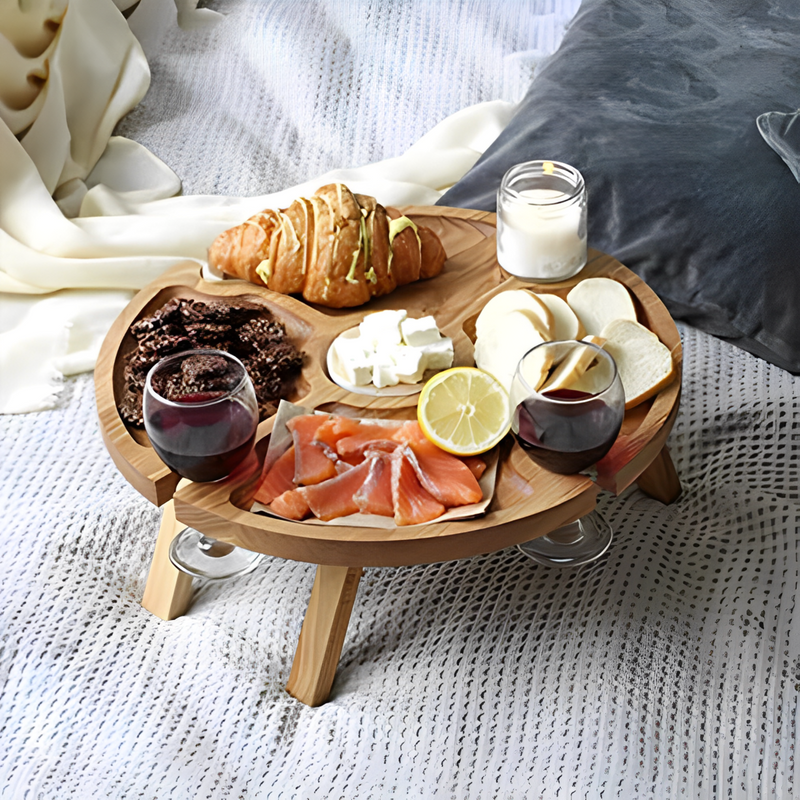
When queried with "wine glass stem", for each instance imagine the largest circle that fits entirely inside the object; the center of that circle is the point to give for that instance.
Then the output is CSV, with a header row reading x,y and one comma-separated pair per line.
x,y
569,534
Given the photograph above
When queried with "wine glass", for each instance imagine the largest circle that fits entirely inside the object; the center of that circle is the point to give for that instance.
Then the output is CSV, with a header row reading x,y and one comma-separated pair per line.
x,y
201,414
566,424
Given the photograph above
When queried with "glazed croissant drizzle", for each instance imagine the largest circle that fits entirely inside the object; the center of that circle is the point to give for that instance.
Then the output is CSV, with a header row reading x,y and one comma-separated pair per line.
x,y
335,248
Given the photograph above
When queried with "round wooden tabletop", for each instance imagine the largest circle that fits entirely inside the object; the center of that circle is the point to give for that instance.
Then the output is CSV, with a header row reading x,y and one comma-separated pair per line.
x,y
528,500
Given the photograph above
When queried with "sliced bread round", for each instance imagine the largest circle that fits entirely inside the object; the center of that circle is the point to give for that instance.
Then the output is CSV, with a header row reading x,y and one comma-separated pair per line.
x,y
644,363
598,301
499,349
495,311
570,369
566,324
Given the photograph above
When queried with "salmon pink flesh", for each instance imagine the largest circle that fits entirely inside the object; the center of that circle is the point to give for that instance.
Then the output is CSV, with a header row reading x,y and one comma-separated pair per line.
x,y
338,466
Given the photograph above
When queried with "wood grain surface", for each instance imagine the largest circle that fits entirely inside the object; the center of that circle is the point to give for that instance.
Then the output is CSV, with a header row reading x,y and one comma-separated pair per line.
x,y
529,501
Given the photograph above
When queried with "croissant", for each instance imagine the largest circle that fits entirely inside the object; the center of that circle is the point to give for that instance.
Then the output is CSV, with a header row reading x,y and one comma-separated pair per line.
x,y
335,248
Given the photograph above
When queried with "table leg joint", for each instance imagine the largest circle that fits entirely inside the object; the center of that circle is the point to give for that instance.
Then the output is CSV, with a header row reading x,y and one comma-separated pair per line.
x,y
660,480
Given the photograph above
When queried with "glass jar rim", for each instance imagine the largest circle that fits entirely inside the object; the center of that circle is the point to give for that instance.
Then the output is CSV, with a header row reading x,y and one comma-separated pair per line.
x,y
148,384
566,172
564,401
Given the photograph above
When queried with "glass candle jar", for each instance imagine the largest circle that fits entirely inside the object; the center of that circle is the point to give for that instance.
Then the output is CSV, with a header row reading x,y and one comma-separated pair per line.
x,y
541,221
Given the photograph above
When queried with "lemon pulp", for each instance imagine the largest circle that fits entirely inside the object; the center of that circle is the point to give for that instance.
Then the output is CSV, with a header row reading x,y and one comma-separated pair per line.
x,y
464,410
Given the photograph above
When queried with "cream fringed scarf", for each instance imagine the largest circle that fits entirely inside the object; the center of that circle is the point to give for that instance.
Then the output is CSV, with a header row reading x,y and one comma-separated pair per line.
x,y
87,217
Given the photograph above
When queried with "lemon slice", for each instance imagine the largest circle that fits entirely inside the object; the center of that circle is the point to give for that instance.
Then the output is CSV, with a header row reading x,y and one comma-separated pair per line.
x,y
464,410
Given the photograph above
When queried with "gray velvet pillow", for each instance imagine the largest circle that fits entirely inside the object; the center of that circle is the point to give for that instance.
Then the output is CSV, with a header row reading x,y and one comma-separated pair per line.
x,y
656,103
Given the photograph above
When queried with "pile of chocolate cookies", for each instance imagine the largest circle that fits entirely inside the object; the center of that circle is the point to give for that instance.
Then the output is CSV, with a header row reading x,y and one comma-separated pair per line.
x,y
245,330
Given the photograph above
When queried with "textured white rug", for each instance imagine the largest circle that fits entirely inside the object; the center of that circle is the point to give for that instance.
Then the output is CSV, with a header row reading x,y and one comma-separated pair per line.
x,y
669,669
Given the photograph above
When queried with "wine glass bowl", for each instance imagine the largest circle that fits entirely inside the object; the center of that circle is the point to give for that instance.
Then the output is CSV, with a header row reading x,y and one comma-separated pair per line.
x,y
201,414
566,418
566,429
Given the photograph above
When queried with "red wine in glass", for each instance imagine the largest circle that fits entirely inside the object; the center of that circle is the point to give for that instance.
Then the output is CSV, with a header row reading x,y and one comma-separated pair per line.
x,y
568,436
201,415
203,436
567,430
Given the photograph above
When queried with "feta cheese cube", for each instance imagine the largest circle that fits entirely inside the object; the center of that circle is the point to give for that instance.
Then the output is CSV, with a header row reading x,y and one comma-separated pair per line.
x,y
355,348
355,360
383,371
385,348
417,332
382,327
408,363
438,355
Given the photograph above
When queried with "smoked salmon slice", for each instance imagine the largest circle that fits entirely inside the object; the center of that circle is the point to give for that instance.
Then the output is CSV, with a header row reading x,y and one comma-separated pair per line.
x,y
336,497
352,446
375,494
409,432
412,503
313,461
291,504
279,478
444,476
475,464
339,466
335,428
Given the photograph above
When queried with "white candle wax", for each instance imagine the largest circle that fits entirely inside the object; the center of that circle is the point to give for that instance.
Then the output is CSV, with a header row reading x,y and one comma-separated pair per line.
x,y
540,237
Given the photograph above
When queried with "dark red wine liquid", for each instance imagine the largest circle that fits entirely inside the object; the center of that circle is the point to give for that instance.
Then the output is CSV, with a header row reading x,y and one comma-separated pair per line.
x,y
199,397
567,438
203,443
567,394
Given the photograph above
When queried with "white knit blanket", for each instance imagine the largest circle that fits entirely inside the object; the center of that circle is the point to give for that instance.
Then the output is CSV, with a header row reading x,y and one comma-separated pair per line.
x,y
669,669
264,98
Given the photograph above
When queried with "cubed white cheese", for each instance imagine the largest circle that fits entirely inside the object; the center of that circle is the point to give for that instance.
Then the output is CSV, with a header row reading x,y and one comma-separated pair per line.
x,y
385,348
408,363
438,355
355,348
383,371
382,327
417,332
390,349
355,360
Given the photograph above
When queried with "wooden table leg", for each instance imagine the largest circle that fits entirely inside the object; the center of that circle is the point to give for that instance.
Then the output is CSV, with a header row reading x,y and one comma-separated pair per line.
x,y
168,592
322,634
660,480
